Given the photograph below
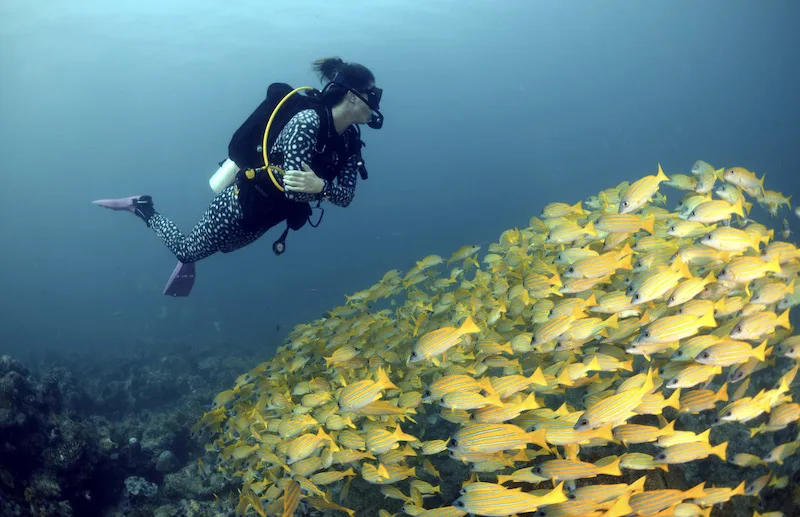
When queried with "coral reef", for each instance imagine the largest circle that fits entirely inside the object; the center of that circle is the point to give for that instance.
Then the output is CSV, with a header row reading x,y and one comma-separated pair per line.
x,y
108,434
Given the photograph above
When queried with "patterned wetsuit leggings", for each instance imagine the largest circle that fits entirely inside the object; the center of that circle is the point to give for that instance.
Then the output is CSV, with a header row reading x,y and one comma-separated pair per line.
x,y
218,230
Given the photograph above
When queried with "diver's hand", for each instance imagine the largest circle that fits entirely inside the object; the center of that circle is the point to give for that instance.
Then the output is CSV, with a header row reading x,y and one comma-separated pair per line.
x,y
303,181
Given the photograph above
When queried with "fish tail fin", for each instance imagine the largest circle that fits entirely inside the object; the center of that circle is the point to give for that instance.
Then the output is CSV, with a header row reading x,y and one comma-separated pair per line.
x,y
468,327
626,365
563,378
739,490
384,380
707,320
529,403
759,351
382,472
638,485
661,176
674,400
649,224
722,394
589,229
774,265
538,438
695,492
400,435
720,450
537,377
612,469
783,320
668,429
648,385
621,506
605,432
494,400
738,208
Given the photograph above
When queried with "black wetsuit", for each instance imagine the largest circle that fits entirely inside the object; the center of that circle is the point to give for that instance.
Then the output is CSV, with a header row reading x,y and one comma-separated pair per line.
x,y
224,226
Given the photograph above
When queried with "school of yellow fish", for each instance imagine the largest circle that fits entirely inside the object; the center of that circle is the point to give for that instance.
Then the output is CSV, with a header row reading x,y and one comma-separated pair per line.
x,y
566,352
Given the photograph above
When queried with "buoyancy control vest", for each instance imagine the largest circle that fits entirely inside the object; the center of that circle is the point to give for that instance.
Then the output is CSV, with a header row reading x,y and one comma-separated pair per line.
x,y
263,204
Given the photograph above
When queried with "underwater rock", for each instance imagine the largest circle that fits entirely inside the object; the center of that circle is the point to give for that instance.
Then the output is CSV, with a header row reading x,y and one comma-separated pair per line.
x,y
190,482
139,487
167,462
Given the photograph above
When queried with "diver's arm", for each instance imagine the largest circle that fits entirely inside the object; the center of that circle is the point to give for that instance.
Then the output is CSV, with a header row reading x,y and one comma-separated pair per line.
x,y
341,193
297,142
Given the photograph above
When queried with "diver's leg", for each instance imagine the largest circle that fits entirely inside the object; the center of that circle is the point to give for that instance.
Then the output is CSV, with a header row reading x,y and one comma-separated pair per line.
x,y
217,230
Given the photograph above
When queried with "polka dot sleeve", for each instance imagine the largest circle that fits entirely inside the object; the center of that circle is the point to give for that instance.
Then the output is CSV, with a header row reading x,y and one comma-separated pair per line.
x,y
296,141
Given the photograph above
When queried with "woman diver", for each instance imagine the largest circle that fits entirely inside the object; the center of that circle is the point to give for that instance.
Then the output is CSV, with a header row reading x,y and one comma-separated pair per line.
x,y
314,155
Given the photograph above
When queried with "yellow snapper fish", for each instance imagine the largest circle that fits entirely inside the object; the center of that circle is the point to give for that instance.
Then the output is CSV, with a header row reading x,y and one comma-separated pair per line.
x,y
539,367
363,392
439,341
745,179
502,501
615,408
640,192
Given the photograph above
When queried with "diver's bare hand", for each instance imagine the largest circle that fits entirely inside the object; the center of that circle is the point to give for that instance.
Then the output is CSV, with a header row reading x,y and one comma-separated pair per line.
x,y
303,181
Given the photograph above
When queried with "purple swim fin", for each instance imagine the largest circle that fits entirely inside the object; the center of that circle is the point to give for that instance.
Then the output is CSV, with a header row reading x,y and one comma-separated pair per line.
x,y
123,203
181,280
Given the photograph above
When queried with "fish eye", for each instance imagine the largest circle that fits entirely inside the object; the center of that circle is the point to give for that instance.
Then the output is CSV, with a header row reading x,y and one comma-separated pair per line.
x,y
583,422
737,376
679,353
693,213
426,393
646,332
625,203
413,354
538,470
728,414
737,329
637,297
661,457
672,228
571,270
703,355
452,443
661,371
723,272
571,496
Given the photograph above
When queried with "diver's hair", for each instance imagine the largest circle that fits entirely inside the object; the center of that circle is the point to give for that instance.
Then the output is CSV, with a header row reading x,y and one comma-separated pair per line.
x,y
334,69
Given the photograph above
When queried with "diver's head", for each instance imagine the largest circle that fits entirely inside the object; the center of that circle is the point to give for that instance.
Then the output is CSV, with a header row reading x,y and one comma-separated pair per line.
x,y
350,92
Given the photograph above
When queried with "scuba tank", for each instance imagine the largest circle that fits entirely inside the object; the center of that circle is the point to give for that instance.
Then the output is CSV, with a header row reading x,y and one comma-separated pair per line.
x,y
224,177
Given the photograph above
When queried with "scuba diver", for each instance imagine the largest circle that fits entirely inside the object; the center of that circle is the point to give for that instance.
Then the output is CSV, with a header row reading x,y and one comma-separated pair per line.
x,y
293,150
